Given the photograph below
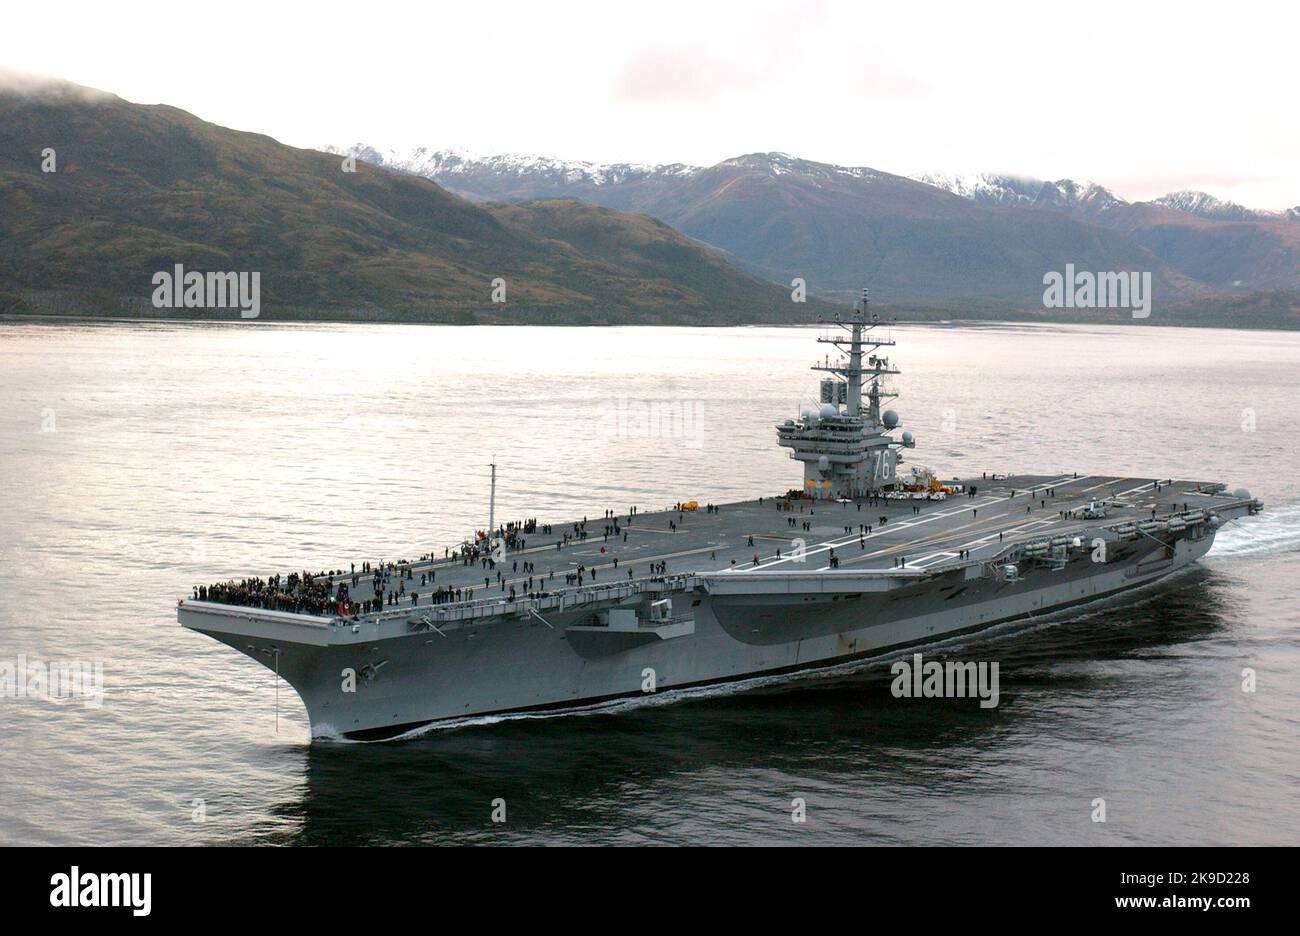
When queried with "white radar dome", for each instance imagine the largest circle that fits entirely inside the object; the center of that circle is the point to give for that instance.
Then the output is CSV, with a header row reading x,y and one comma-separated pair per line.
x,y
823,463
890,419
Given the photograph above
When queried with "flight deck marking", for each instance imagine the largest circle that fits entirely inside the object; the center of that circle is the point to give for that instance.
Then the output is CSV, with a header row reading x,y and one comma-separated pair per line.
x,y
927,560
884,530
943,535
1103,484
940,536
908,524
826,545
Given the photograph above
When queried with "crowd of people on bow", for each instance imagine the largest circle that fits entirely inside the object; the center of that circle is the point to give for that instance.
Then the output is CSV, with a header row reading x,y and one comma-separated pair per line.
x,y
296,592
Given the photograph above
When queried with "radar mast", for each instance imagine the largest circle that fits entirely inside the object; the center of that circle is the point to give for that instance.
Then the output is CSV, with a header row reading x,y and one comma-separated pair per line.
x,y
846,451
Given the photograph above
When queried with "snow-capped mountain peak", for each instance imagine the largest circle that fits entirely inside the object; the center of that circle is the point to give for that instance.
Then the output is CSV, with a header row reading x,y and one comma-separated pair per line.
x,y
450,164
783,164
995,189
1205,205
435,163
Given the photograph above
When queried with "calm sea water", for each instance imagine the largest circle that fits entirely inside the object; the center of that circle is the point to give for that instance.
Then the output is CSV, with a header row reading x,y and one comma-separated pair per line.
x,y
140,459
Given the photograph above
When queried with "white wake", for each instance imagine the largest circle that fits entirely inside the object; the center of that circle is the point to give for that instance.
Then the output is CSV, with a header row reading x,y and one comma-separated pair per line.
x,y
1273,531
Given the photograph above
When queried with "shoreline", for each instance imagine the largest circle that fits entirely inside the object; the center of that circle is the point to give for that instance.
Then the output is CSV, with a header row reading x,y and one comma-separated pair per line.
x,y
12,317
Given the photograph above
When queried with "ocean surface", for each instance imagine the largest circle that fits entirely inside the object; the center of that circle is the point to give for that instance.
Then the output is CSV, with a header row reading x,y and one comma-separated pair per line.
x,y
140,459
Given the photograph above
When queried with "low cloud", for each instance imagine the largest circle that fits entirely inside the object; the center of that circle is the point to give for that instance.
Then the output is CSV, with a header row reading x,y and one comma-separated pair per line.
x,y
14,83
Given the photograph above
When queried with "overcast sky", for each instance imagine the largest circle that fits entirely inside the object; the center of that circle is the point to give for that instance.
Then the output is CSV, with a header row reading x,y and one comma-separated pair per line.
x,y
1144,98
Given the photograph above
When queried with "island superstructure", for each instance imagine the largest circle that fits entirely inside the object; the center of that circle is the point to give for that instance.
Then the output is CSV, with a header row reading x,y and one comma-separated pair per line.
x,y
845,449
859,560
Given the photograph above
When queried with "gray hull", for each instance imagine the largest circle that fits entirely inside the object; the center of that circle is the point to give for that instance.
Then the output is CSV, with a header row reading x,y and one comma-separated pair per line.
x,y
382,678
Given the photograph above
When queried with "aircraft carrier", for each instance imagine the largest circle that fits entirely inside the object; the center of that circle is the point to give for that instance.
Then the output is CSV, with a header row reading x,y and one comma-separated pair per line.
x,y
860,559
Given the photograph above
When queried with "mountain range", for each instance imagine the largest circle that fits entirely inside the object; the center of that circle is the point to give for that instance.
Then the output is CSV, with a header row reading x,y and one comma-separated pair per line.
x,y
98,195
951,242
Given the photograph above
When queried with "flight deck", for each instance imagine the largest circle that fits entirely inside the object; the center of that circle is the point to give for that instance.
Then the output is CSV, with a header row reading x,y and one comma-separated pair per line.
x,y
780,534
